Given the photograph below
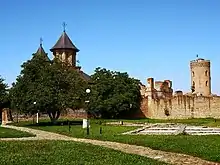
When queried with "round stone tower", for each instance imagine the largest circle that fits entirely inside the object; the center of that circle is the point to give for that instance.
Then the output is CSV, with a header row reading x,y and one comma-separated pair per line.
x,y
200,76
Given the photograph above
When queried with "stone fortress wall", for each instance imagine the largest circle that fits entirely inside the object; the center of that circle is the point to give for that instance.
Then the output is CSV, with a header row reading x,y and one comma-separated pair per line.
x,y
160,102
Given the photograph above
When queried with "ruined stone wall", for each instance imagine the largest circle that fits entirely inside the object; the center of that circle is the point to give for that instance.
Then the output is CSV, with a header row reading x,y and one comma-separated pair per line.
x,y
78,113
183,107
144,109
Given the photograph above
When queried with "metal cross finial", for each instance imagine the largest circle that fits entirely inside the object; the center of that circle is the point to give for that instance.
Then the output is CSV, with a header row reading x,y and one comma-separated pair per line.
x,y
41,41
78,62
64,26
197,55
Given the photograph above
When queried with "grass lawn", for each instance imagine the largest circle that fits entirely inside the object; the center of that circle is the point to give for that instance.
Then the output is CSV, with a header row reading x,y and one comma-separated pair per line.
x,y
211,122
206,147
11,133
65,153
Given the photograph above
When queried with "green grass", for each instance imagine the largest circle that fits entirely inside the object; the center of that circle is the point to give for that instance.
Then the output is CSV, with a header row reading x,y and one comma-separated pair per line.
x,y
206,147
196,121
65,153
11,133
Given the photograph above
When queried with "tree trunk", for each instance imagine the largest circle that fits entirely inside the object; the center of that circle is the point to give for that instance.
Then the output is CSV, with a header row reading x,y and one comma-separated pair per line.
x,y
54,116
0,115
10,115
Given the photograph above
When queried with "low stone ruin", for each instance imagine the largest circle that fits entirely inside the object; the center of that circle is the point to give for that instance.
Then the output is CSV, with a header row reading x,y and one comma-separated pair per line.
x,y
174,129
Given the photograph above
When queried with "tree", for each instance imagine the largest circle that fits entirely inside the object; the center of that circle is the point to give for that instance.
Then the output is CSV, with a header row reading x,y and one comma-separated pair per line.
x,y
3,94
23,92
61,88
53,85
113,94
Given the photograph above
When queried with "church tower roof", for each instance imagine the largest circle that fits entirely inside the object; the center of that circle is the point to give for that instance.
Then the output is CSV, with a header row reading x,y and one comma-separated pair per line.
x,y
41,52
64,42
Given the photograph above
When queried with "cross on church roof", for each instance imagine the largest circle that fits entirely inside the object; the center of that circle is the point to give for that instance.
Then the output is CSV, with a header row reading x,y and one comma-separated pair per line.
x,y
41,41
64,26
197,55
64,42
78,62
41,49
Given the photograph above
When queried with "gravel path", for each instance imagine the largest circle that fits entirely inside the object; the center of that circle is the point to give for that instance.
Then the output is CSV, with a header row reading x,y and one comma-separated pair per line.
x,y
168,157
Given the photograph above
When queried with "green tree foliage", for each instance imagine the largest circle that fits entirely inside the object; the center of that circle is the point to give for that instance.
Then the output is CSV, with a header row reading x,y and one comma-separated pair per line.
x,y
113,94
3,94
54,87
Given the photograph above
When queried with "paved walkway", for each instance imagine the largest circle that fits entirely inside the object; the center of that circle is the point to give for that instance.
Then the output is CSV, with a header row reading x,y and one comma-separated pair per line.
x,y
168,157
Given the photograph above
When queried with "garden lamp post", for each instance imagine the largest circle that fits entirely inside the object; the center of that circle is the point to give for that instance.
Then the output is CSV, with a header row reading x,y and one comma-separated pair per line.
x,y
37,116
87,101
17,111
37,112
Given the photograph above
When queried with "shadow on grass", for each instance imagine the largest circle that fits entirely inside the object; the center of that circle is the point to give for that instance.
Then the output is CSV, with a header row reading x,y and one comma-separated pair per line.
x,y
58,123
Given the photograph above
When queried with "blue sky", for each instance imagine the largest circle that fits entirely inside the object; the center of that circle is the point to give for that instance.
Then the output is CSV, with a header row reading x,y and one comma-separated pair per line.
x,y
146,38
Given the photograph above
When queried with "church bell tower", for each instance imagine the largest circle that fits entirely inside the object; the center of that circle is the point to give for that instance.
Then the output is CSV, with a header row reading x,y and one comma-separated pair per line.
x,y
65,50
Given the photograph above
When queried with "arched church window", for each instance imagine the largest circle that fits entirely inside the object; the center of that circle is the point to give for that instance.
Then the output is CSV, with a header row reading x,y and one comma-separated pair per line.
x,y
206,83
193,74
206,73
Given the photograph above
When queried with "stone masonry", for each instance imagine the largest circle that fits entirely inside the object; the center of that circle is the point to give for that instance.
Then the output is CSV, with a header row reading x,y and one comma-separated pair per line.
x,y
160,102
200,76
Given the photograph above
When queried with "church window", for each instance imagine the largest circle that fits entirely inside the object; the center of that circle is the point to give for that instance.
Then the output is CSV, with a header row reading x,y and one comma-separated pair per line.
x,y
206,83
193,74
206,73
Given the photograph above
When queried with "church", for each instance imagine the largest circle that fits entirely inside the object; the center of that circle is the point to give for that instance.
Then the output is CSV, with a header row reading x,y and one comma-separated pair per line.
x,y
66,51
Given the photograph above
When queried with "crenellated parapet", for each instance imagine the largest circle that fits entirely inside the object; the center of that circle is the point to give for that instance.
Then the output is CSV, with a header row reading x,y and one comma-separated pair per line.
x,y
199,63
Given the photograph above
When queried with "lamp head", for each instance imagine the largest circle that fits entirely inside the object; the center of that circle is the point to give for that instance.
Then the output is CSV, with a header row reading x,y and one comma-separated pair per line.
x,y
88,90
